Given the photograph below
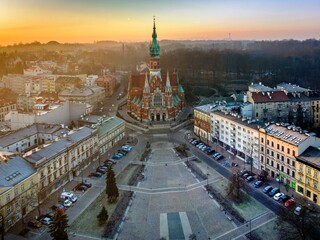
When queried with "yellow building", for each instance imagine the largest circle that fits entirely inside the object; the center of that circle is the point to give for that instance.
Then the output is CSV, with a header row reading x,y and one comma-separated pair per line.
x,y
5,108
308,174
18,189
315,105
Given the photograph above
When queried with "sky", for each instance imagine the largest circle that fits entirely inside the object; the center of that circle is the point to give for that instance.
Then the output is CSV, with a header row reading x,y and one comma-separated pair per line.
x,y
131,20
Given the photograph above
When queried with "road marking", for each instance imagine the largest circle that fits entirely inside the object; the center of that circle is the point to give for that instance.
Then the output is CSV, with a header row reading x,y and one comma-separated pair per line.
x,y
185,224
164,231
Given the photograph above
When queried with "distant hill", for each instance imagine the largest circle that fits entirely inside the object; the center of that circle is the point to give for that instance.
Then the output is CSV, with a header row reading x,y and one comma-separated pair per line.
x,y
53,43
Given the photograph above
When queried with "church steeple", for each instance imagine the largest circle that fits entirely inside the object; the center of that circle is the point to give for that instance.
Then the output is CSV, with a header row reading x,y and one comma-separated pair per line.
x,y
154,47
146,84
168,85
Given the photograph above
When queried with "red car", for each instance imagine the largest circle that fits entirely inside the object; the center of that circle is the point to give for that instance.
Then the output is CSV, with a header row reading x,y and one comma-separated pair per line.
x,y
289,203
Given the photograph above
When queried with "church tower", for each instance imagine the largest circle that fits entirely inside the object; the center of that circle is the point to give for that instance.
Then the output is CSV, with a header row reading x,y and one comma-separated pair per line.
x,y
154,50
146,93
168,92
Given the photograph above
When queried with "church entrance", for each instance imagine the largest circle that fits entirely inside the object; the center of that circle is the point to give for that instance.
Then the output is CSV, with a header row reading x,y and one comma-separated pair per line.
x,y
152,117
163,116
158,116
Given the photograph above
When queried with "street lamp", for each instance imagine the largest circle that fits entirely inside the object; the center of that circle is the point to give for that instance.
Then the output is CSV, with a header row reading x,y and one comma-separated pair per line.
x,y
207,178
279,178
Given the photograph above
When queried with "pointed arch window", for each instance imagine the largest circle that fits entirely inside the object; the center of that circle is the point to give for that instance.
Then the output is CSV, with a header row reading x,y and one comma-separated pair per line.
x,y
157,99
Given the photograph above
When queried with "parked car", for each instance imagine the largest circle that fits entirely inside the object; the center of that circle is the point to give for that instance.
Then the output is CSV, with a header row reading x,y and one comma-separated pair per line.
x,y
96,174
117,156
298,211
82,187
216,154
35,224
267,189
109,162
86,183
191,140
289,203
277,196
245,175
67,203
273,192
69,195
195,142
46,221
58,206
243,171
123,152
219,157
210,151
258,184
126,148
284,198
249,178
101,170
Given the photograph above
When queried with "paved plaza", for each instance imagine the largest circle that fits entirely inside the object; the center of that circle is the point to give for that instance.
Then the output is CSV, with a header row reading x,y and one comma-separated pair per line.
x,y
172,215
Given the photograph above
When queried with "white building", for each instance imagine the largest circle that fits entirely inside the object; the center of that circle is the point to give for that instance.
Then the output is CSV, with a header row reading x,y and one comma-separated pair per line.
x,y
237,135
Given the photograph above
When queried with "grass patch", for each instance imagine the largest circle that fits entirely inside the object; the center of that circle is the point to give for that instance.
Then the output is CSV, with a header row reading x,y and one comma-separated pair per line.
x,y
269,230
125,175
87,222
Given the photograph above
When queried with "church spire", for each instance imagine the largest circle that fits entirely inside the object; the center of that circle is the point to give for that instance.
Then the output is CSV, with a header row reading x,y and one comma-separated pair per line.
x,y
168,85
154,46
146,84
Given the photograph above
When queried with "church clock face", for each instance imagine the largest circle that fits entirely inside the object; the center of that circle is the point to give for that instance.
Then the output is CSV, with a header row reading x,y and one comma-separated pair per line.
x,y
155,63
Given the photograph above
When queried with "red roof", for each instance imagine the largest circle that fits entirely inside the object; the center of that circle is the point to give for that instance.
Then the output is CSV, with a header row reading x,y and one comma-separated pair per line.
x,y
137,80
277,96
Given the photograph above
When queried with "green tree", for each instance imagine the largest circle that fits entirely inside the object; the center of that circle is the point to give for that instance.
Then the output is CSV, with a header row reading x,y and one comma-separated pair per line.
x,y
111,189
58,226
103,216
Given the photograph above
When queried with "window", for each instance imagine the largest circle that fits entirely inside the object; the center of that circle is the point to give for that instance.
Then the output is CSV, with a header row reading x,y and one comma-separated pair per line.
x,y
267,160
278,146
267,151
272,163
293,174
157,99
300,168
278,156
8,197
282,168
288,150
288,171
308,193
315,185
288,160
309,170
271,144
267,142
308,181
22,187
315,174
261,158
16,192
271,153
261,140
300,189
293,153
293,163
261,149
282,148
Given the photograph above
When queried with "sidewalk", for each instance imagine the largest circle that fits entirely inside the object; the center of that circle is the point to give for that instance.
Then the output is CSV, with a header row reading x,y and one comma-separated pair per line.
x,y
242,165
84,199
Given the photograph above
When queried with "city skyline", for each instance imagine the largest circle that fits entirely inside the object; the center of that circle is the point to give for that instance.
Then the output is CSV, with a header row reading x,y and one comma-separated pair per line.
x,y
85,22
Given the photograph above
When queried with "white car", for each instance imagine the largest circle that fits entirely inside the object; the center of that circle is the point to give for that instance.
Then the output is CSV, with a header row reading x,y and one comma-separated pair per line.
x,y
67,203
46,221
277,196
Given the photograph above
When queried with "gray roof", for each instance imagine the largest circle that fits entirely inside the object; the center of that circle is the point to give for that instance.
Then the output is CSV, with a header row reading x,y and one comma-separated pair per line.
x,y
14,171
109,124
76,92
58,147
311,157
26,132
291,87
18,136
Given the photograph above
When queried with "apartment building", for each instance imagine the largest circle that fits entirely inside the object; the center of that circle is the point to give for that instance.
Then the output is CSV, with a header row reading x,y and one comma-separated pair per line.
x,y
5,108
308,174
315,108
62,160
279,147
238,135
108,82
30,137
18,189
91,95
202,122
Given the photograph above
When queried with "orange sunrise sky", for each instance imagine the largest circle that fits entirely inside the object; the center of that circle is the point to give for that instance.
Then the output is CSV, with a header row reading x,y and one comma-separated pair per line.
x,y
125,20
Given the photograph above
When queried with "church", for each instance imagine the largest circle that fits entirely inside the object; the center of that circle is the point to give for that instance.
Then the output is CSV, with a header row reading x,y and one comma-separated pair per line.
x,y
155,95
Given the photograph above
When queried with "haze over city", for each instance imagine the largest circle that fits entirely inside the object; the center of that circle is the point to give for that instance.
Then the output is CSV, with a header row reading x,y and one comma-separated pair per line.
x,y
124,20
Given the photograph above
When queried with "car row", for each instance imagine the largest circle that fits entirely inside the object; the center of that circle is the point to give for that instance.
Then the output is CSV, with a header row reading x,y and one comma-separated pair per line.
x,y
205,148
275,193
125,149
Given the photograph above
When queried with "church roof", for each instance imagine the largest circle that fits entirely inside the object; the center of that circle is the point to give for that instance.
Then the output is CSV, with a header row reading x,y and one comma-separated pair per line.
x,y
138,80
176,100
180,90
